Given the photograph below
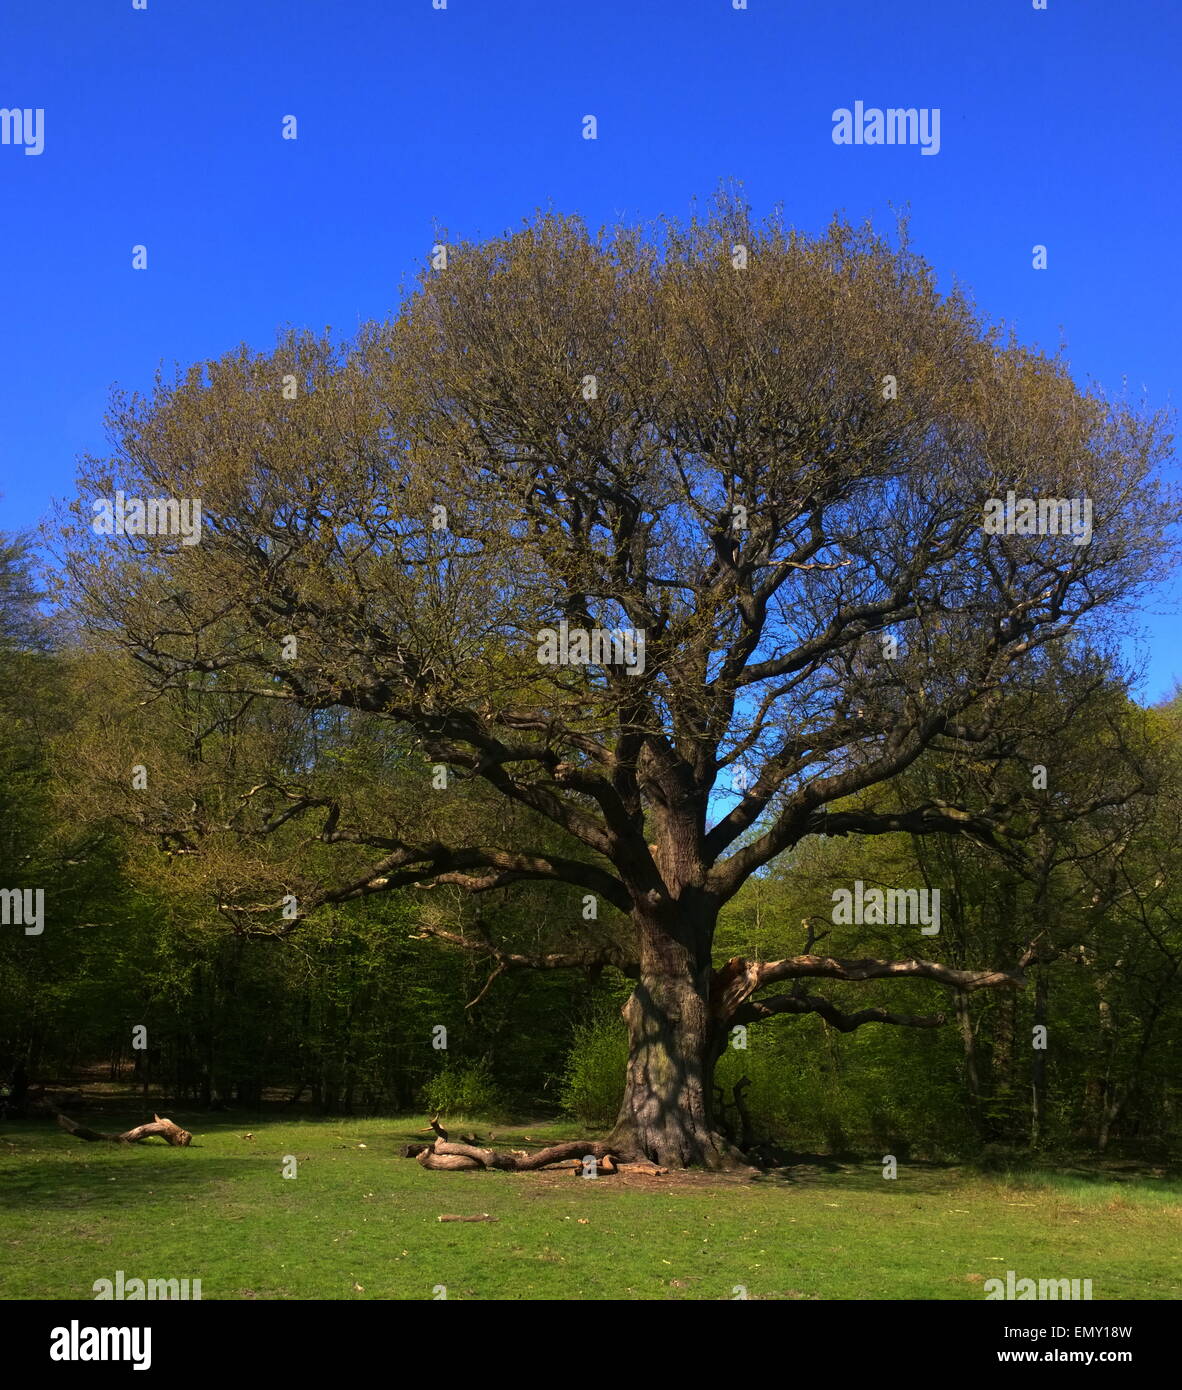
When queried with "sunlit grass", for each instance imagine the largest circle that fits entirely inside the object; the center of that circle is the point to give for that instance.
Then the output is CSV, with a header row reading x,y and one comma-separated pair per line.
x,y
360,1222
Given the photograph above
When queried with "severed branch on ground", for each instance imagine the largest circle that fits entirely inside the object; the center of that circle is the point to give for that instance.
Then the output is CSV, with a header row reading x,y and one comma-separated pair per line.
x,y
444,1156
172,1133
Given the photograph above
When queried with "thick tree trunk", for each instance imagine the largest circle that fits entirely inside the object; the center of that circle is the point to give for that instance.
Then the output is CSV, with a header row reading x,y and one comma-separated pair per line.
x,y
666,1113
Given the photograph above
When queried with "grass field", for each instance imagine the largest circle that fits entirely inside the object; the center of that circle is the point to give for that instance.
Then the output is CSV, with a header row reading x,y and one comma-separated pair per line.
x,y
360,1222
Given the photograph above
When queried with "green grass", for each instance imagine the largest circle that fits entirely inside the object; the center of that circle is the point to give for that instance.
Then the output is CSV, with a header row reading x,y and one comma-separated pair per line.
x,y
73,1212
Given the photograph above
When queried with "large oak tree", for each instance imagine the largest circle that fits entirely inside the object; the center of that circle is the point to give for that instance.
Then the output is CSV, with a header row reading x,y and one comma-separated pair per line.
x,y
767,453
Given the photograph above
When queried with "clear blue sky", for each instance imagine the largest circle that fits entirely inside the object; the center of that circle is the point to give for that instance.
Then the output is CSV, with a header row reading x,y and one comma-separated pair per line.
x,y
162,127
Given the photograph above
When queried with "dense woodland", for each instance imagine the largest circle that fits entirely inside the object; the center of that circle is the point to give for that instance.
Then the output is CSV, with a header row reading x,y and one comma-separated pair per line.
x,y
341,1019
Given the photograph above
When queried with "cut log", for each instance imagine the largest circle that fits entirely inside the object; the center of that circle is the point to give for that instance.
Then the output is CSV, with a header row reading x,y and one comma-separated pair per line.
x,y
172,1133
484,1216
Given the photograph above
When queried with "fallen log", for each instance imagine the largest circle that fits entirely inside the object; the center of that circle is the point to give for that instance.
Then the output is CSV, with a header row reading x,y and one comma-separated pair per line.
x,y
172,1133
484,1216
445,1156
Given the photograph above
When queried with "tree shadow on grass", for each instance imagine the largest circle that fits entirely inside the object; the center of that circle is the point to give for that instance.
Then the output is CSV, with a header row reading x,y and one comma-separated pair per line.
x,y
65,1184
43,1168
846,1171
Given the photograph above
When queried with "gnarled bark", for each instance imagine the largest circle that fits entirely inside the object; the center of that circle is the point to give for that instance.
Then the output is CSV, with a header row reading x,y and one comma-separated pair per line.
x,y
666,1113
674,1041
